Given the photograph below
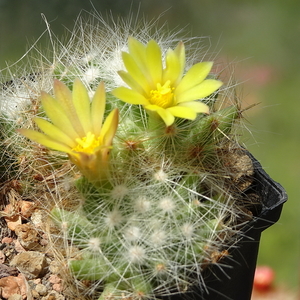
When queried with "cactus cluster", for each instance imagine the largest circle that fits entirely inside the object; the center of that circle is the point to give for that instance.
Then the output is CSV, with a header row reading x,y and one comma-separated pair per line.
x,y
132,151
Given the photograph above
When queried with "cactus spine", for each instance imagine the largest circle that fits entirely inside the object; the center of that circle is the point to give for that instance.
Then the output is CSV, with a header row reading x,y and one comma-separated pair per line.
x,y
165,205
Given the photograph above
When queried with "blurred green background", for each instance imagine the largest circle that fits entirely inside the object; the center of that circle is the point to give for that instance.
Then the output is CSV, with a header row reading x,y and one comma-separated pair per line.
x,y
261,37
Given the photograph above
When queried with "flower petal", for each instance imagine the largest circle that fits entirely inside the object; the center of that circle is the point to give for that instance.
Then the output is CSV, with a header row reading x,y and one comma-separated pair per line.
x,y
127,78
81,102
136,72
44,140
137,51
180,52
197,106
167,116
182,112
174,68
64,97
97,108
204,89
110,127
54,133
152,107
195,75
129,96
56,113
154,62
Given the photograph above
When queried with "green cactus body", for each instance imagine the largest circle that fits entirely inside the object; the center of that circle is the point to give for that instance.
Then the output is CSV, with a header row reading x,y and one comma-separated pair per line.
x,y
151,222
154,217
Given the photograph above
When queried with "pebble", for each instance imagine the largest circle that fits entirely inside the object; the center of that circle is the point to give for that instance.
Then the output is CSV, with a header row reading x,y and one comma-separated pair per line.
x,y
35,294
31,263
18,247
41,289
54,279
54,296
28,236
15,297
11,285
7,240
27,208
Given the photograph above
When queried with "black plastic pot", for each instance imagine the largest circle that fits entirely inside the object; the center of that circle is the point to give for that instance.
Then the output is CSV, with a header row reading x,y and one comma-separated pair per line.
x,y
235,279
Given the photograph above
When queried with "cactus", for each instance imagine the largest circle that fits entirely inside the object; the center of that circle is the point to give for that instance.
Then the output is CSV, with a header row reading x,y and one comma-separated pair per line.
x,y
152,199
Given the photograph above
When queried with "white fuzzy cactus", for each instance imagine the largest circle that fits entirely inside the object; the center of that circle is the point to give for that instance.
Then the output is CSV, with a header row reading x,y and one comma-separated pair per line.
x,y
153,198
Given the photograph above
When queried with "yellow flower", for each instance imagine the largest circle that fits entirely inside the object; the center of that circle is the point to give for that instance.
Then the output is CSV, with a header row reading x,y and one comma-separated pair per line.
x,y
161,86
76,127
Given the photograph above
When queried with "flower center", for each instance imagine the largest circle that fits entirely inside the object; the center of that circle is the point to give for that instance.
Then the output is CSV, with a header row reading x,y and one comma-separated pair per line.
x,y
87,144
163,96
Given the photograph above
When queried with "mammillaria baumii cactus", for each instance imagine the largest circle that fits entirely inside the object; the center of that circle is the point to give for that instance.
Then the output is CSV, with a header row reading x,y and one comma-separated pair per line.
x,y
127,140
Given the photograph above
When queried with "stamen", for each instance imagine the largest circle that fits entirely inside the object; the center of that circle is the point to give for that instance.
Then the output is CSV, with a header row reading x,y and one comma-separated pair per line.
x,y
87,144
163,96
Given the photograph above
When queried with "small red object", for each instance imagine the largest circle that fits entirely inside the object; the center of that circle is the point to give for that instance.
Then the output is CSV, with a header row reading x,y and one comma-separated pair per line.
x,y
263,278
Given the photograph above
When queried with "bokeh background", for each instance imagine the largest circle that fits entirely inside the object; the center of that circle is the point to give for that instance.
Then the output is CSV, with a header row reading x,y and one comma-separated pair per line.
x,y
261,38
